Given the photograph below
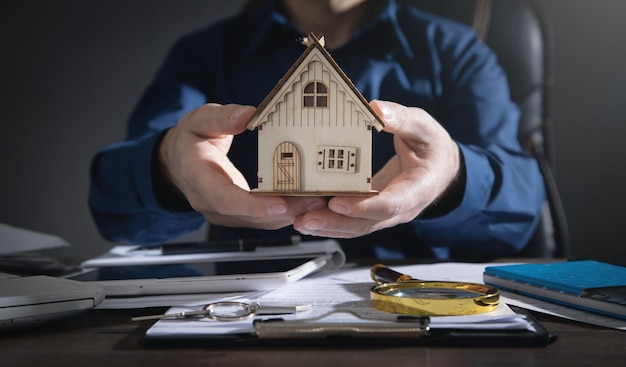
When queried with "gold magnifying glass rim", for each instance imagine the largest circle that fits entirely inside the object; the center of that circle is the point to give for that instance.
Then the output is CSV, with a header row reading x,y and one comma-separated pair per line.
x,y
487,299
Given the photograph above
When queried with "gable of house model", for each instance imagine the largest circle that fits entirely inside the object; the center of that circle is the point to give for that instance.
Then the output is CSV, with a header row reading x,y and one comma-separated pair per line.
x,y
315,80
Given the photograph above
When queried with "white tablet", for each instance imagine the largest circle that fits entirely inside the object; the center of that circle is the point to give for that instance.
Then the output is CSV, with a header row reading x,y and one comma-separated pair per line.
x,y
202,277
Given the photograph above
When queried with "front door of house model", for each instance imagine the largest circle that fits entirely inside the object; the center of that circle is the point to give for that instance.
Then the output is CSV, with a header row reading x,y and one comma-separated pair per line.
x,y
286,167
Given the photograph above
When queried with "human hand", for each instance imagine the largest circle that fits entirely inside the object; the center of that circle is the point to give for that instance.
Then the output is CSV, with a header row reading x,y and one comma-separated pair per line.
x,y
194,158
426,163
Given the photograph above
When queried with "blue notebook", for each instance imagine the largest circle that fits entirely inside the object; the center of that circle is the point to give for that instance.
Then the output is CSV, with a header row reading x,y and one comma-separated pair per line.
x,y
589,285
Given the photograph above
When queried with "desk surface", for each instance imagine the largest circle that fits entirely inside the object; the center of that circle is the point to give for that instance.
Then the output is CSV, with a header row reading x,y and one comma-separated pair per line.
x,y
109,338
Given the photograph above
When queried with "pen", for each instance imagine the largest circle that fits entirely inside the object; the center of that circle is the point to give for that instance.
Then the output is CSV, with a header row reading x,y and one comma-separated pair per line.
x,y
239,245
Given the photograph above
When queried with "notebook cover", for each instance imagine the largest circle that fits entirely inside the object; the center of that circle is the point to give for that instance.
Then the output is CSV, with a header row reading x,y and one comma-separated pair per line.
x,y
569,277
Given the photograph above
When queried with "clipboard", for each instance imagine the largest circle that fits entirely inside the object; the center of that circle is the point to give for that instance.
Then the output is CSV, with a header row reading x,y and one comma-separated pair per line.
x,y
405,332
341,314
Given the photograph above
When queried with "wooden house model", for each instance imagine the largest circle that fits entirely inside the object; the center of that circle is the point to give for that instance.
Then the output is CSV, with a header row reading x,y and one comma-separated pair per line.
x,y
315,131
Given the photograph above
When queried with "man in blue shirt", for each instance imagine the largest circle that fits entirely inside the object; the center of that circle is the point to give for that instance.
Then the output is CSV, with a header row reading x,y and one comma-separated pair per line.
x,y
452,177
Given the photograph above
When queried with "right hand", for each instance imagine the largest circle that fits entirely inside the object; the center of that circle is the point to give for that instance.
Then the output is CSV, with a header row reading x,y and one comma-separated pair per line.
x,y
194,158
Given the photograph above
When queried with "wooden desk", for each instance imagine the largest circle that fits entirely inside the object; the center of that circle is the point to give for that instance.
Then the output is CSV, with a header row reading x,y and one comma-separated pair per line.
x,y
109,338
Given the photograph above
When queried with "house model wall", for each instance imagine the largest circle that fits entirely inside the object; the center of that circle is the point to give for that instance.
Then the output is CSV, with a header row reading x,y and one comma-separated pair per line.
x,y
315,131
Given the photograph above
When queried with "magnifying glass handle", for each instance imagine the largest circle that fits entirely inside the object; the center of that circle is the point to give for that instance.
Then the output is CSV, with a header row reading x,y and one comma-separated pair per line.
x,y
382,274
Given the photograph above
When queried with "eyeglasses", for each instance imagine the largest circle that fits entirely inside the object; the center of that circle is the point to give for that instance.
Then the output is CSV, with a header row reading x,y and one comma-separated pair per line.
x,y
229,311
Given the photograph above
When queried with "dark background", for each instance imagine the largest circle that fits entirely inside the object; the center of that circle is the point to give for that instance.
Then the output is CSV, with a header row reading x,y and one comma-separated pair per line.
x,y
71,71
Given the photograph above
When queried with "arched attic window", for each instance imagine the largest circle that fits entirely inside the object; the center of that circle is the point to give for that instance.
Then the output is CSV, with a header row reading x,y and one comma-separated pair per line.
x,y
315,95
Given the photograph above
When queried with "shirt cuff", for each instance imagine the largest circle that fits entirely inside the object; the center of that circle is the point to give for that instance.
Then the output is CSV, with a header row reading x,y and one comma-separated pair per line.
x,y
155,192
166,193
478,184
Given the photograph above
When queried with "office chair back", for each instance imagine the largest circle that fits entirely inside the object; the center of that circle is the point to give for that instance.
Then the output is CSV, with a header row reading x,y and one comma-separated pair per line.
x,y
520,35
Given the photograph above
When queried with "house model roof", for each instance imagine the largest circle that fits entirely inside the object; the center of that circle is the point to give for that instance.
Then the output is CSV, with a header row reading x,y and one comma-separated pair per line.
x,y
315,47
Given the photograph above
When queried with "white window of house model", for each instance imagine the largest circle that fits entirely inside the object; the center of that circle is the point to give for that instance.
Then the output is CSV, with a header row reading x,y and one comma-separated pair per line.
x,y
336,159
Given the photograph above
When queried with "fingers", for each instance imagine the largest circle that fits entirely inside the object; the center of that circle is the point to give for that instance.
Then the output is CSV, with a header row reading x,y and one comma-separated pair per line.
x,y
325,223
230,205
217,193
410,122
420,141
215,120
232,201
348,217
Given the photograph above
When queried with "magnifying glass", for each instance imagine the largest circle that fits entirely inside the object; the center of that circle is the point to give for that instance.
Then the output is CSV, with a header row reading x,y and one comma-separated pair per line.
x,y
400,293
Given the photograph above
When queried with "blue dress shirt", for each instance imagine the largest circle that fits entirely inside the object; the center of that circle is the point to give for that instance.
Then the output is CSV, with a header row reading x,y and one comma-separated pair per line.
x,y
403,55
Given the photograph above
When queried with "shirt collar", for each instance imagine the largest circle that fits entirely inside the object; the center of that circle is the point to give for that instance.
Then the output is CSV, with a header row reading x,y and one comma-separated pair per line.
x,y
271,15
386,24
389,16
268,15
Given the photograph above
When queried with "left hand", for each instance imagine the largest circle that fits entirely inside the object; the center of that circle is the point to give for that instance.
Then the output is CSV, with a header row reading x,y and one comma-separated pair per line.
x,y
426,163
